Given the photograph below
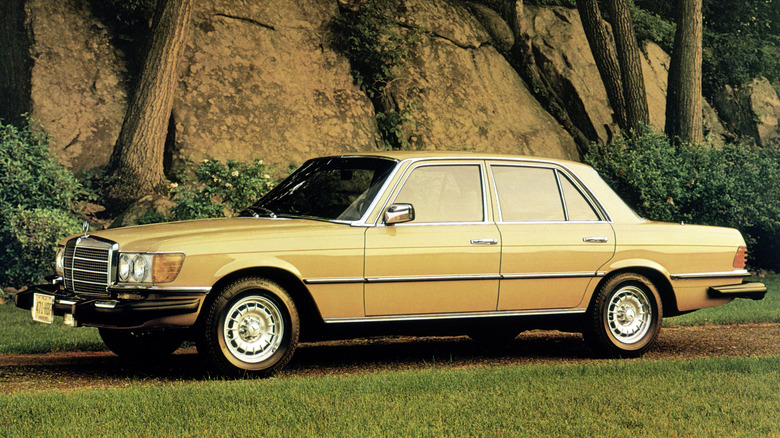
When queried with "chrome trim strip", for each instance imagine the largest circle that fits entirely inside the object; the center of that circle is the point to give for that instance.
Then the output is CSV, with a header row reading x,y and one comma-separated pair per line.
x,y
445,316
67,302
552,275
431,278
725,274
412,279
131,287
334,280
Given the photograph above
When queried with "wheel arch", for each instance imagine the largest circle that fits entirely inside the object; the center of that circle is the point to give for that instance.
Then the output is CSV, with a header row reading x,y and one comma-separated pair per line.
x,y
308,312
659,280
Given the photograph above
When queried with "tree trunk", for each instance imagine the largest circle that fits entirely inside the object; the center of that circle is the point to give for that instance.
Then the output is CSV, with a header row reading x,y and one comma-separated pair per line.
x,y
634,93
603,48
136,165
683,98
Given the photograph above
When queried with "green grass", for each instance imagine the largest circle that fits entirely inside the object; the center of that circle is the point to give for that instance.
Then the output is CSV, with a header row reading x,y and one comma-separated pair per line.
x,y
740,311
708,397
19,334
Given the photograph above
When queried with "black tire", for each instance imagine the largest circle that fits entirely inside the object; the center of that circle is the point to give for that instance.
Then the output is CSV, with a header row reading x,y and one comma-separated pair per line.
x,y
250,327
142,346
625,317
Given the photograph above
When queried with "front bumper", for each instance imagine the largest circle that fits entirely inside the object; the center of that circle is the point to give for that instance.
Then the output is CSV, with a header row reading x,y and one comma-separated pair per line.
x,y
148,308
748,289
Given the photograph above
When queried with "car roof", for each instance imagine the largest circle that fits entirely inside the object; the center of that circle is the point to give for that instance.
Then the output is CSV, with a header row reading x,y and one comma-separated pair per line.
x,y
419,155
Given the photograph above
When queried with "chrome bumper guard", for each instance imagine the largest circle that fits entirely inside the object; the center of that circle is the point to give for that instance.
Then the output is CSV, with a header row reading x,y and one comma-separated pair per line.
x,y
748,289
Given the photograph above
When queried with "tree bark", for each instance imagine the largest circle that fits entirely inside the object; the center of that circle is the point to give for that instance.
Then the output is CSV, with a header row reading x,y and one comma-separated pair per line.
x,y
603,48
136,165
637,112
683,98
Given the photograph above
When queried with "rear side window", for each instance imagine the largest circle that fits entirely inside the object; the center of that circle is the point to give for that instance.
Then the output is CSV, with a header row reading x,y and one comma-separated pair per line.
x,y
534,194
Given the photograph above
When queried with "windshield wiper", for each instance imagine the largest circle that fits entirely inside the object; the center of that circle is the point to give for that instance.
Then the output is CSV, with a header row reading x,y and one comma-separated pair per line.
x,y
255,211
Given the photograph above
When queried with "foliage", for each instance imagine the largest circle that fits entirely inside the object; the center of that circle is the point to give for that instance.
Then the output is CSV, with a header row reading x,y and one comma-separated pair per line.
x,y
393,125
374,44
741,40
219,190
734,186
377,49
37,197
22,335
652,27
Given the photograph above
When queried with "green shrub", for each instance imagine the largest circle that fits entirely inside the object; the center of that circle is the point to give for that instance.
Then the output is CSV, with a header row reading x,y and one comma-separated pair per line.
x,y
37,197
219,190
734,186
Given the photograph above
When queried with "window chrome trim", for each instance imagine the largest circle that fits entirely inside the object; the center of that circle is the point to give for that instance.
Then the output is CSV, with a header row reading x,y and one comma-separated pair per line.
x,y
382,190
446,316
700,275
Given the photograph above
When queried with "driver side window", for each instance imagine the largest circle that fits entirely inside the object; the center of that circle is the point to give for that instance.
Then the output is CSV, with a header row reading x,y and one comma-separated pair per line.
x,y
444,193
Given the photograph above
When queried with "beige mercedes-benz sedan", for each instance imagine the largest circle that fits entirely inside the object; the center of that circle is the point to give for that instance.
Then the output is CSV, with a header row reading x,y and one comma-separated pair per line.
x,y
396,242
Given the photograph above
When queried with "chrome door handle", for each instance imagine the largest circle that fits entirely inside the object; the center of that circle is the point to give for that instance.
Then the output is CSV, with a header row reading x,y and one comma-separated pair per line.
x,y
484,242
595,239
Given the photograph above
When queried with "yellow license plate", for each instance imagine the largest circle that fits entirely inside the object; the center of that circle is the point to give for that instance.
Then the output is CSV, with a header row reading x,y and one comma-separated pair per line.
x,y
42,308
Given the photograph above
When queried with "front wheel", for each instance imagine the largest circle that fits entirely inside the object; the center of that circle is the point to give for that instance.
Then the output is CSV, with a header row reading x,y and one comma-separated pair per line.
x,y
625,317
251,326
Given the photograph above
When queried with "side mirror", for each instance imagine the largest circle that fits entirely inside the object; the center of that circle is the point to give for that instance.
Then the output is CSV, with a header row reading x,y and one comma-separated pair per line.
x,y
399,213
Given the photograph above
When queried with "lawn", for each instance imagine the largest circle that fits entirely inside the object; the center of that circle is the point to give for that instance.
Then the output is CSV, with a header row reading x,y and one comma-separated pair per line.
x,y
707,397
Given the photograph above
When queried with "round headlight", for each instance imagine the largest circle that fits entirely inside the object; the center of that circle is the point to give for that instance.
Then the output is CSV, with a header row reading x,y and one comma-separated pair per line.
x,y
139,268
59,261
124,267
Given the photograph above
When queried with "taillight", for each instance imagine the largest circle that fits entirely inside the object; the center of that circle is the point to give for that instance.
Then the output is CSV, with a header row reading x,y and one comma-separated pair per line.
x,y
740,259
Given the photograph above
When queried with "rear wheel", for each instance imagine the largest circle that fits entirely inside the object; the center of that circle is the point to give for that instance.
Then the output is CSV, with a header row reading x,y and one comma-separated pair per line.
x,y
251,326
141,345
625,317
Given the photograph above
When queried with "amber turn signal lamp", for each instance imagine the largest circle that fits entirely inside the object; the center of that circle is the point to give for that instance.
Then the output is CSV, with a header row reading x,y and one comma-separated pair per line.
x,y
166,267
740,259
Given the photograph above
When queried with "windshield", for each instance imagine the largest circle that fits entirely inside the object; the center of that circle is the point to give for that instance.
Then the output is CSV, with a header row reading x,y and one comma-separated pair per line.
x,y
334,188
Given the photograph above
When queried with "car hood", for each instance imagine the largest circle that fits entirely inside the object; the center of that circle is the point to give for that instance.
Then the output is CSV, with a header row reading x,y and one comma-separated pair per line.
x,y
235,232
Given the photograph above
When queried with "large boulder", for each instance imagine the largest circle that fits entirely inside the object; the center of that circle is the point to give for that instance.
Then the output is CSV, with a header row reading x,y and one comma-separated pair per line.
x,y
260,80
752,110
462,91
78,81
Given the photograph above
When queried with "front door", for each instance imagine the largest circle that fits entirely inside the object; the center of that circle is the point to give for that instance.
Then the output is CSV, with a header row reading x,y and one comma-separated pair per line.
x,y
444,261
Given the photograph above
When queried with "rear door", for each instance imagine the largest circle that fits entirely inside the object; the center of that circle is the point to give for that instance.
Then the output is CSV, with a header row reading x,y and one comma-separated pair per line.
x,y
554,238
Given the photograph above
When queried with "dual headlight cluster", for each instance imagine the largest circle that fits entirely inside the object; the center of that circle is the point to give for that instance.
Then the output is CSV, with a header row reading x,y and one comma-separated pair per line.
x,y
149,268
138,267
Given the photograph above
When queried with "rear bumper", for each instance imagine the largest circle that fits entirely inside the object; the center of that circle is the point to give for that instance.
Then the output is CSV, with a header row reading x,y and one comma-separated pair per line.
x,y
149,309
748,289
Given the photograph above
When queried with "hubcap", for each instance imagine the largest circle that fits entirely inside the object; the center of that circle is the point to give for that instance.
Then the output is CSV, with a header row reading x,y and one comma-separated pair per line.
x,y
253,329
629,314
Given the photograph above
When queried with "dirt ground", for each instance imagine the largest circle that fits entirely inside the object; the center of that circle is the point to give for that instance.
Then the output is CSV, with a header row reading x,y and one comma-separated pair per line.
x,y
78,370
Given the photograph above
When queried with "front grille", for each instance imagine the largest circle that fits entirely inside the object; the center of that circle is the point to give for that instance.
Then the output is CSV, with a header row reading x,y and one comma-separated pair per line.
x,y
88,266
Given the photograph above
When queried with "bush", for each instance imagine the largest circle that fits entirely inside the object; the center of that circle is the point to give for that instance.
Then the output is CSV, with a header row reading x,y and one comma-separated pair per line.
x,y
219,190
734,186
37,197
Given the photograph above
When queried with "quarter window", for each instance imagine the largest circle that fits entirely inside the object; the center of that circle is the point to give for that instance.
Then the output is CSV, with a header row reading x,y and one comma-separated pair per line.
x,y
444,193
